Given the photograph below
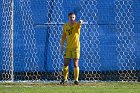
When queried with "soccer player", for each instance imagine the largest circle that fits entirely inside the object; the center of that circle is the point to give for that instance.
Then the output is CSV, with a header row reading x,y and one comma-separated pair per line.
x,y
71,34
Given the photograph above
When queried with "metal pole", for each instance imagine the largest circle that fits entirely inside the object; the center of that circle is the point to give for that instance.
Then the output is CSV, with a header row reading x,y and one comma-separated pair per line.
x,y
12,40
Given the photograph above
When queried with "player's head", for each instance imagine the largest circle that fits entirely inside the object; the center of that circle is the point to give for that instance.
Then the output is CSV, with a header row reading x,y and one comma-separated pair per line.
x,y
71,16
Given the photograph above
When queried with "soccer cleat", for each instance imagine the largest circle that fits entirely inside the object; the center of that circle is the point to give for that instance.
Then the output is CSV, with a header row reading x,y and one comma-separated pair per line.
x,y
63,82
76,82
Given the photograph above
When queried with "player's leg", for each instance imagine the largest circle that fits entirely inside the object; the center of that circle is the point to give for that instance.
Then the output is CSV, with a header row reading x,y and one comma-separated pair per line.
x,y
76,56
67,57
76,70
66,68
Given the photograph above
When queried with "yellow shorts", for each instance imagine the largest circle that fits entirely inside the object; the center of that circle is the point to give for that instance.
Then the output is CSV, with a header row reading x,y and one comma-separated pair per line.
x,y
72,53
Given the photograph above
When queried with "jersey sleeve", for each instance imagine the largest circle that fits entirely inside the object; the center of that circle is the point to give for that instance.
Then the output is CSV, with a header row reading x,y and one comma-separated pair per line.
x,y
63,38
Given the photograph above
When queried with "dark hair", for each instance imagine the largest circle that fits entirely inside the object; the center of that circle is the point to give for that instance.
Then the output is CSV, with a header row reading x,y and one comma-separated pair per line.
x,y
71,13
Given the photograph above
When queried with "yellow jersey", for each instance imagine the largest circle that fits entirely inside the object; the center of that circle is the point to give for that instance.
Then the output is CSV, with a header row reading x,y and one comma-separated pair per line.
x,y
72,35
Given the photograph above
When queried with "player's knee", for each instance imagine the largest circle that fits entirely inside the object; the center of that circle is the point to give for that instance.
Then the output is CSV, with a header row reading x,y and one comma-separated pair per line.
x,y
66,61
65,65
76,63
75,66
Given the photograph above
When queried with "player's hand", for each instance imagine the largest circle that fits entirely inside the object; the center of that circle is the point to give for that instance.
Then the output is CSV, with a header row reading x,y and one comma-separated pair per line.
x,y
61,49
80,21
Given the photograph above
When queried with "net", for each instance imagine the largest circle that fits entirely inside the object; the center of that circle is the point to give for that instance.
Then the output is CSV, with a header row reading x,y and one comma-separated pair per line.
x,y
7,31
31,32
125,42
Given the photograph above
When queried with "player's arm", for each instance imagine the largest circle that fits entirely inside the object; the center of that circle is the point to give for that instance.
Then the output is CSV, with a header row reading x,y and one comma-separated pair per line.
x,y
63,38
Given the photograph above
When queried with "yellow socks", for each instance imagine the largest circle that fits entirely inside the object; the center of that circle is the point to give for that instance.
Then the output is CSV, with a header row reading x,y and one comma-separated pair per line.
x,y
65,72
76,73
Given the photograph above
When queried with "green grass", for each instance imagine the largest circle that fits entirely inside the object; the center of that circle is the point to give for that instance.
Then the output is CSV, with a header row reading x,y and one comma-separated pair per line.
x,y
98,87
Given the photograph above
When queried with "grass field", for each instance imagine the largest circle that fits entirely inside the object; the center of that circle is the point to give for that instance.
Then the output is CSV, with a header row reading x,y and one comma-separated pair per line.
x,y
95,87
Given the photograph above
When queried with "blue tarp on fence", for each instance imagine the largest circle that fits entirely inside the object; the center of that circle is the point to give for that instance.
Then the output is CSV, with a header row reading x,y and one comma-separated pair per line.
x,y
40,13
